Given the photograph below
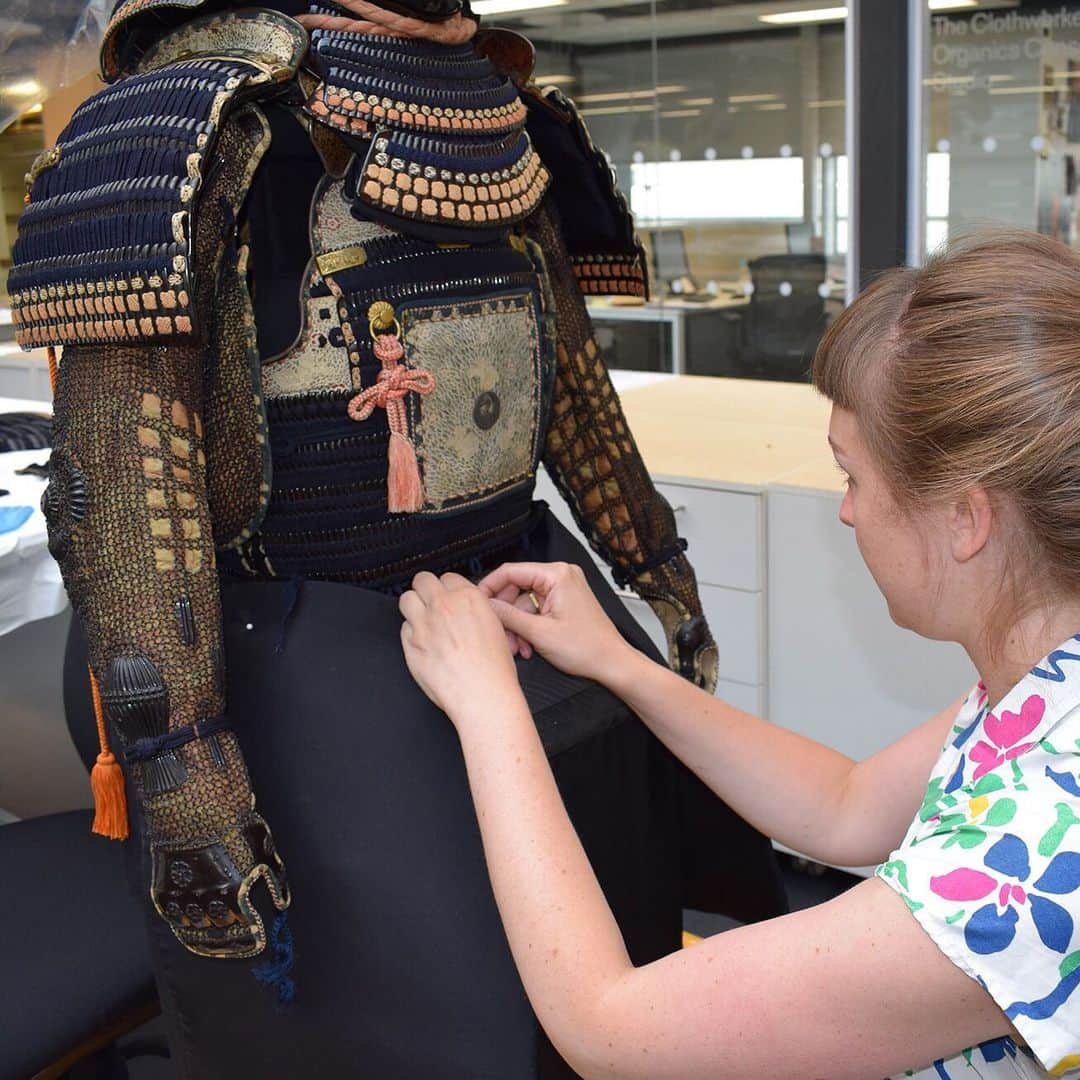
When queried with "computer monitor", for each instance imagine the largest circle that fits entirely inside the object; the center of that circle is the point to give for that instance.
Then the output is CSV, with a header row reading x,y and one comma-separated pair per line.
x,y
669,256
800,238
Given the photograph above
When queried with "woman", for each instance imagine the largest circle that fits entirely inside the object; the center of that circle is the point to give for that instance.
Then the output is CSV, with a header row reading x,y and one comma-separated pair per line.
x,y
956,420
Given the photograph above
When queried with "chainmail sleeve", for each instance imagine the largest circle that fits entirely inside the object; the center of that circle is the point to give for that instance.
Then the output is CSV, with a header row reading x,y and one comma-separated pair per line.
x,y
130,524
591,455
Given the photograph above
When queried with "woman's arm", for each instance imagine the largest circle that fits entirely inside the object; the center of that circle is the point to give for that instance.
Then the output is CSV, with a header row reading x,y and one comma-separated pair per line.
x,y
809,797
854,988
804,794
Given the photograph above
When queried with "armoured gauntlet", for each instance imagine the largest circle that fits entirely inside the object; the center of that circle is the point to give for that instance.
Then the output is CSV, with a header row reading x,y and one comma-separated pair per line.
x,y
591,456
130,526
586,233
157,454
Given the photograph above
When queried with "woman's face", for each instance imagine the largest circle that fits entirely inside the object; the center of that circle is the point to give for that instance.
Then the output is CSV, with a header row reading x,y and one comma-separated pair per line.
x,y
902,551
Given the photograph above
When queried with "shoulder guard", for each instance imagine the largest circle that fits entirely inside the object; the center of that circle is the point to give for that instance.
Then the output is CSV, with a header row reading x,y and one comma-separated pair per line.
x,y
439,135
104,252
598,227
137,34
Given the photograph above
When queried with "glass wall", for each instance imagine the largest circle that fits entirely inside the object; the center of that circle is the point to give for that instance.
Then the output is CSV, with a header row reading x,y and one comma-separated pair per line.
x,y
724,123
20,142
725,126
1001,133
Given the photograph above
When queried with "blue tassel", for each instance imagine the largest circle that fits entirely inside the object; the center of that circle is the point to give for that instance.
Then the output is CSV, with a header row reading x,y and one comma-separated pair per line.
x,y
274,970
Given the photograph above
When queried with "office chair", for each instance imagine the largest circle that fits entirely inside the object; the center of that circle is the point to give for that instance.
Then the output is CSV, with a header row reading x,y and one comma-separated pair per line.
x,y
25,431
76,975
780,332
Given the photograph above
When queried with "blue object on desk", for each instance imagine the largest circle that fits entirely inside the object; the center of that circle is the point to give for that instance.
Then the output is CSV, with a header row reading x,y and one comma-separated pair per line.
x,y
13,517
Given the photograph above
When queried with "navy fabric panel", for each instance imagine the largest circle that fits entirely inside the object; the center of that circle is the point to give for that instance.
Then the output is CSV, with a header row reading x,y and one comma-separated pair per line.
x,y
594,215
402,968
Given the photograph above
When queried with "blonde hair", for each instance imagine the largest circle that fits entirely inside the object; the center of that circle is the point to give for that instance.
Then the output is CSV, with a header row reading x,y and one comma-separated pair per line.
x,y
966,372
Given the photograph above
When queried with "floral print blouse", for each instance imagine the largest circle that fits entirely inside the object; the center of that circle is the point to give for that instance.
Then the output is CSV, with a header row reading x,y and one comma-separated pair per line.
x,y
990,867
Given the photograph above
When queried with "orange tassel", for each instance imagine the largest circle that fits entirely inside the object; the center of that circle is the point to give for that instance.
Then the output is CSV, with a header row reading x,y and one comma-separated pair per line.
x,y
110,802
404,490
106,777
107,781
51,354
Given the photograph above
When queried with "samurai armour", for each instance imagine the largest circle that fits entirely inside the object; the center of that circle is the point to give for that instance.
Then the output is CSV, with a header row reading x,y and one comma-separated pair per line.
x,y
322,317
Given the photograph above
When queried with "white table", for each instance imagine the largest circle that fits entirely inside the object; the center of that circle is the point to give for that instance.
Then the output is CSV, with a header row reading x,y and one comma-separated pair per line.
x,y
30,584
40,772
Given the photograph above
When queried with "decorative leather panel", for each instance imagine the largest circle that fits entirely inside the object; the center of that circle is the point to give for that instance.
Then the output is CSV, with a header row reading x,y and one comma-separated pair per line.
x,y
477,433
115,52
320,359
267,39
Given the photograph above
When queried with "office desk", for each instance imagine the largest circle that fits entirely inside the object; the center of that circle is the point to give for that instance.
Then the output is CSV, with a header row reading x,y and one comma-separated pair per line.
x,y
687,329
39,770
693,338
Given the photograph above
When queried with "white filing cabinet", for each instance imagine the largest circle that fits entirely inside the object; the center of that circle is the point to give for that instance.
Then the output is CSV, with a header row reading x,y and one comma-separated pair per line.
x,y
840,671
725,533
23,374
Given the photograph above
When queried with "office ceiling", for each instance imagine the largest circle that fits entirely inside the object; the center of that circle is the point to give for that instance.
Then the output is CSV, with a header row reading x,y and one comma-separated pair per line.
x,y
611,22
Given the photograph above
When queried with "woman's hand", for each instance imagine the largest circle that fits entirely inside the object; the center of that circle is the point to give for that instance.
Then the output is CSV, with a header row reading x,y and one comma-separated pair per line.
x,y
566,624
454,644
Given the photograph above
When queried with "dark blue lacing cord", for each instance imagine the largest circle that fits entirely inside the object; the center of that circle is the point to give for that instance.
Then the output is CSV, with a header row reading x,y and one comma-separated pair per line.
x,y
274,970
625,577
151,746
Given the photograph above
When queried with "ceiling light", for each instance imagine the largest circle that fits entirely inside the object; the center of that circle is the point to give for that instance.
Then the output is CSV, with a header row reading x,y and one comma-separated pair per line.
x,y
553,80
698,101
770,108
831,103
26,88
1046,88
816,15
835,14
629,95
501,7
745,99
963,80
672,113
608,110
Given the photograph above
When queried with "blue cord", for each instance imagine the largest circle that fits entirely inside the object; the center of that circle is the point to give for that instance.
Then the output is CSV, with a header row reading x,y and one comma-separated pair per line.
x,y
274,970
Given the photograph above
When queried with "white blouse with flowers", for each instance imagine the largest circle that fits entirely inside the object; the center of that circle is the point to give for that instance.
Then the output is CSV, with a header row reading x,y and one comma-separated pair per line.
x,y
990,867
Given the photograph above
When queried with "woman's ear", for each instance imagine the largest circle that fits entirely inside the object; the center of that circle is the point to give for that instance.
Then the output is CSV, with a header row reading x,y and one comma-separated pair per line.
x,y
970,518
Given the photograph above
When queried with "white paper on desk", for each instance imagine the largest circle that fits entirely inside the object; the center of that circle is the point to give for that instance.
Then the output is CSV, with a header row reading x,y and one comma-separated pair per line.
x,y
30,583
